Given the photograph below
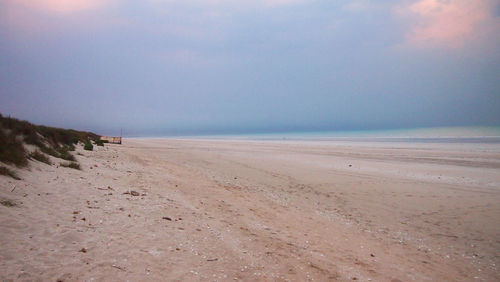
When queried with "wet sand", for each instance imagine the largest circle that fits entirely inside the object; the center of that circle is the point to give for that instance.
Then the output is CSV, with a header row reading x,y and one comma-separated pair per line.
x,y
257,210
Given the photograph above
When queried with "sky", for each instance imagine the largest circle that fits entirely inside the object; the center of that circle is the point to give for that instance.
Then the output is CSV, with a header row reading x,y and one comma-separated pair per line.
x,y
170,67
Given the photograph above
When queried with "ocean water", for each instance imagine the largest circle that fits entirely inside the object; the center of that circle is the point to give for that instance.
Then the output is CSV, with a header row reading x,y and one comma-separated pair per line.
x,y
469,134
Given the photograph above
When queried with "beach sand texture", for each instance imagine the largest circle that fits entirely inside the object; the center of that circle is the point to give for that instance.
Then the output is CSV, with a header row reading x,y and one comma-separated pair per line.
x,y
257,210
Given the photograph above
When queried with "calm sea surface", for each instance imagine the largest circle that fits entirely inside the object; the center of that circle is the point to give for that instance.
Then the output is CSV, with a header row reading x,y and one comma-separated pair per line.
x,y
420,135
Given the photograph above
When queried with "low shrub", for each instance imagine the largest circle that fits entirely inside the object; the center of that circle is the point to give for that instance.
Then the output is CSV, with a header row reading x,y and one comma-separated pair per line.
x,y
88,146
66,155
41,157
99,142
73,165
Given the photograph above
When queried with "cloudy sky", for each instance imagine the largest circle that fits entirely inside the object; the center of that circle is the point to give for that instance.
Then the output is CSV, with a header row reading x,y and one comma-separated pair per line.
x,y
155,67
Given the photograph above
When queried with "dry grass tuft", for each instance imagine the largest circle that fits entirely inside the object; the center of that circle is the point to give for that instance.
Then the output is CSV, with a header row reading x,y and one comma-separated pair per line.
x,y
73,165
8,172
7,203
39,156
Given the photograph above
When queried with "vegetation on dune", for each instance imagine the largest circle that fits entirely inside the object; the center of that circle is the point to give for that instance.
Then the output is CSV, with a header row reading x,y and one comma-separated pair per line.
x,y
39,156
12,150
88,146
62,152
39,135
74,165
8,172
53,141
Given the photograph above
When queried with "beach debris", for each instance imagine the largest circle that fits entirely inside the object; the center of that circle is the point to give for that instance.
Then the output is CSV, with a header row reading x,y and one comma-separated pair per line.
x,y
214,259
83,250
372,255
76,212
134,193
167,218
83,218
350,165
13,189
118,267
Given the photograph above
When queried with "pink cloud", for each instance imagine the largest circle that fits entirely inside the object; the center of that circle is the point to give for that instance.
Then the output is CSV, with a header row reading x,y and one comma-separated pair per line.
x,y
448,23
62,6
30,17
284,2
244,3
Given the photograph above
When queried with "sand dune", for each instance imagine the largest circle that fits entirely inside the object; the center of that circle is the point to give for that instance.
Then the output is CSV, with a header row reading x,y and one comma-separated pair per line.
x,y
249,210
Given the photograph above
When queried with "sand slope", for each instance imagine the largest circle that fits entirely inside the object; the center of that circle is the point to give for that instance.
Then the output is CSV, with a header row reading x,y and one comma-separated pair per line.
x,y
247,210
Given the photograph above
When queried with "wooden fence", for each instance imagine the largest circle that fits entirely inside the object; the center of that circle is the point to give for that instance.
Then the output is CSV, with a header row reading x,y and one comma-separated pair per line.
x,y
111,139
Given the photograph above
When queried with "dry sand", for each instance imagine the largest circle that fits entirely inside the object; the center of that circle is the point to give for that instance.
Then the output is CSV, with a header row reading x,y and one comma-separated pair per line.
x,y
257,210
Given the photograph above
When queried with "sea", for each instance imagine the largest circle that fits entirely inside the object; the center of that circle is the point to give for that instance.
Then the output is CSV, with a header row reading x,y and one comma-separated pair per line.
x,y
463,134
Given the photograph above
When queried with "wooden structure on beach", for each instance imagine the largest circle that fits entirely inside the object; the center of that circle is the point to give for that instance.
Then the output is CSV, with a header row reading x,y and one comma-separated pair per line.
x,y
112,140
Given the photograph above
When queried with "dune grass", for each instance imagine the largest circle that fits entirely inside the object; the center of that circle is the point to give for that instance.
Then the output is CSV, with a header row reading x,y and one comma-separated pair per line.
x,y
73,165
8,172
39,134
56,142
12,150
61,152
39,156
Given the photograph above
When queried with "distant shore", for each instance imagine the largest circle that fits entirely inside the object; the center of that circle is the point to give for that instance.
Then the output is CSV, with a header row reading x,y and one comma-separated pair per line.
x,y
192,209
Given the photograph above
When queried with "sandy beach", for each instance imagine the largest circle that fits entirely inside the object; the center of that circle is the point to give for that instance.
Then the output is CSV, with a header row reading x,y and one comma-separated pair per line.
x,y
225,210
